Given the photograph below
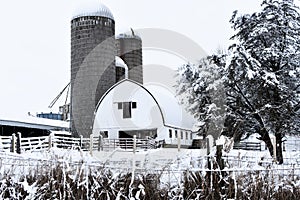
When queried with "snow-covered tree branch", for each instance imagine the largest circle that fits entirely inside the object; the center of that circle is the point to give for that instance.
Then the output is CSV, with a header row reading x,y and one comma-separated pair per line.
x,y
260,74
200,89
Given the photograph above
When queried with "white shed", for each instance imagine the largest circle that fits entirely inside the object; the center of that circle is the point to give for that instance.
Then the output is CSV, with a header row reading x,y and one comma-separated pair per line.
x,y
128,108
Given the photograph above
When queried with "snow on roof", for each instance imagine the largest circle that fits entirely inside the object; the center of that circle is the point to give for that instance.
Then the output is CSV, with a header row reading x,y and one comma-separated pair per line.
x,y
125,35
174,113
128,33
33,122
93,9
120,62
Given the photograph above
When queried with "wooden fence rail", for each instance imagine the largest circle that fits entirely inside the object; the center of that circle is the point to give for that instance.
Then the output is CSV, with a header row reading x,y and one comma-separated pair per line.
x,y
16,143
5,142
33,143
256,146
127,144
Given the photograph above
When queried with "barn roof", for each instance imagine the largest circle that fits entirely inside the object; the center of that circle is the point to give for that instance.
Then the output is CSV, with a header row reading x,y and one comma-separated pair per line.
x,y
172,112
34,122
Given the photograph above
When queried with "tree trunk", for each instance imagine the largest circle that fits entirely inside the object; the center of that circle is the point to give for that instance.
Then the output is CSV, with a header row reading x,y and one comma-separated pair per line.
x,y
264,133
266,138
279,156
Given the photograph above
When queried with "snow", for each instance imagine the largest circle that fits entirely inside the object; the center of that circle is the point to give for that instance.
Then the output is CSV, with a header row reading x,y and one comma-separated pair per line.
x,y
120,62
171,164
128,34
221,140
270,78
250,74
293,73
252,138
27,120
201,90
93,8
174,113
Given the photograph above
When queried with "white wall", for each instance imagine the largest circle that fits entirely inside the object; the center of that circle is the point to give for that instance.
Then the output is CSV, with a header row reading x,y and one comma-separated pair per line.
x,y
147,115
185,140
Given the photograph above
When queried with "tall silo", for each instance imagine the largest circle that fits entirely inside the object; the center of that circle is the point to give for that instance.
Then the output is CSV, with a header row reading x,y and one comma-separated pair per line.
x,y
92,64
129,48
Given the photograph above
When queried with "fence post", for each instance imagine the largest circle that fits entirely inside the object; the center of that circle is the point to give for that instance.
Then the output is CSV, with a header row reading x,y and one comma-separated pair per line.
x,y
239,159
100,146
91,144
50,141
134,144
179,141
259,146
13,143
19,137
81,141
207,146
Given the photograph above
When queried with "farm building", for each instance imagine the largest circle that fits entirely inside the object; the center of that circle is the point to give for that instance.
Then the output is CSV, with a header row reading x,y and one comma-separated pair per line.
x,y
129,108
31,126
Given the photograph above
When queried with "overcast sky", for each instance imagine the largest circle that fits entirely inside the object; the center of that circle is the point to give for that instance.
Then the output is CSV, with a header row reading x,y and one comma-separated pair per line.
x,y
35,40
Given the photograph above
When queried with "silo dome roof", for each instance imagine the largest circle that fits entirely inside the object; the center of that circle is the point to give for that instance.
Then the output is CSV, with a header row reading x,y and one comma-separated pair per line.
x,y
128,33
120,62
93,9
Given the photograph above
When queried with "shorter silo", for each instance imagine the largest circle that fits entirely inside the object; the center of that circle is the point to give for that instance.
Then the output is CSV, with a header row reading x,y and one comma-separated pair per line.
x,y
129,49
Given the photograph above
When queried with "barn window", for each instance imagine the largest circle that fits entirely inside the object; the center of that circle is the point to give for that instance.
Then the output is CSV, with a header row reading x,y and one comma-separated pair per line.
x,y
186,135
176,135
126,110
126,107
170,133
133,105
181,134
119,106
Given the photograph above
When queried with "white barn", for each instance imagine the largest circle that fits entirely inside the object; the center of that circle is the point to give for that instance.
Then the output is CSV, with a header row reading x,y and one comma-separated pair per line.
x,y
129,108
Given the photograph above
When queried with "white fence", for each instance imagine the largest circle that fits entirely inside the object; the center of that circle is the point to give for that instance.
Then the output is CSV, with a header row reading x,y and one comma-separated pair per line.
x,y
5,142
16,143
291,145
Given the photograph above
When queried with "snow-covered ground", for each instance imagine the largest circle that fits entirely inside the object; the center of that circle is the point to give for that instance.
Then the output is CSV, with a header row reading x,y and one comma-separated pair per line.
x,y
170,165
170,161
154,159
151,159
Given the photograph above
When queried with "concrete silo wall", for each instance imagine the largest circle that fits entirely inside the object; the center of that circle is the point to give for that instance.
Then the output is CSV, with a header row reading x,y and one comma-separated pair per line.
x,y
129,48
92,68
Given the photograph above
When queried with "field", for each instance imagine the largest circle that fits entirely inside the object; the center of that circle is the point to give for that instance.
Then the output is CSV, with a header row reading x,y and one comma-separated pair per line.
x,y
153,174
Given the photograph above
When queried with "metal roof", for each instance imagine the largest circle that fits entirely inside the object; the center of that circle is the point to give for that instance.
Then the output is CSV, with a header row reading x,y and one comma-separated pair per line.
x,y
35,122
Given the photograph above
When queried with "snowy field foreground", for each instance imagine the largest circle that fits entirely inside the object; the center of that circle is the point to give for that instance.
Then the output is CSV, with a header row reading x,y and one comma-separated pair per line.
x,y
155,174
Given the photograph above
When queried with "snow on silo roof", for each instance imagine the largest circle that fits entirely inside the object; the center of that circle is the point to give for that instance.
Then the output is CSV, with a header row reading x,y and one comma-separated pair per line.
x,y
128,33
93,9
120,62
